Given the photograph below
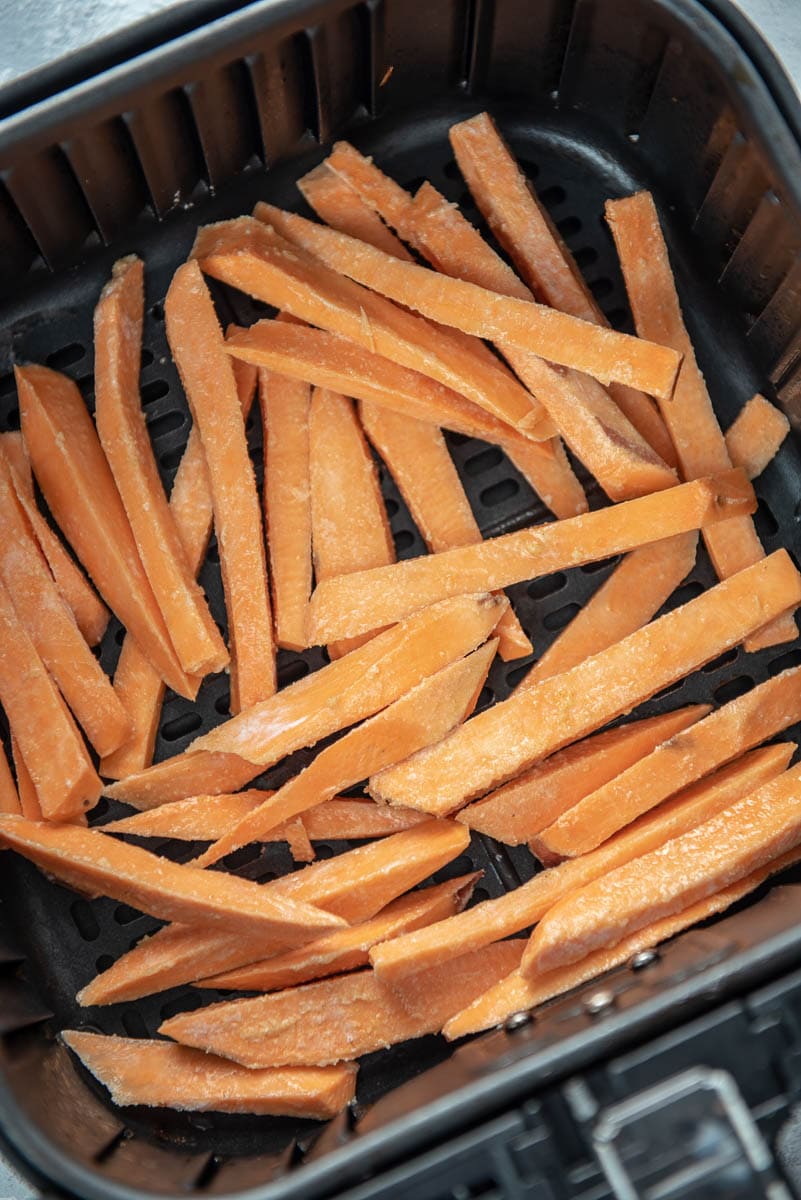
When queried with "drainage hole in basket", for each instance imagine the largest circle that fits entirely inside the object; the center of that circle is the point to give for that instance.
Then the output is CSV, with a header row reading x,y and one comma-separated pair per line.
x,y
183,1003
569,227
147,357
618,318
150,392
517,674
85,920
292,671
791,659
103,963
12,418
8,385
732,689
392,507
167,423
404,540
601,288
485,697
66,357
125,915
484,461
723,660
603,564
181,726
157,312
499,492
133,1024
561,617
171,458
222,704
547,586
553,196
587,256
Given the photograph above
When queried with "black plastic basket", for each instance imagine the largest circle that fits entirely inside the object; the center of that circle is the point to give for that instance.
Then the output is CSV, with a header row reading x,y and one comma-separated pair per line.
x,y
598,97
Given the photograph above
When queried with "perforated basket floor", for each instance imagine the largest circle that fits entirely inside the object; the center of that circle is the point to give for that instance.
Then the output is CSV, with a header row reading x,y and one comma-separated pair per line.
x,y
66,939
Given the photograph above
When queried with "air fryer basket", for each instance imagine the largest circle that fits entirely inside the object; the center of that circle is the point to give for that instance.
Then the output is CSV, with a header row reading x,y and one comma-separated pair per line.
x,y
598,98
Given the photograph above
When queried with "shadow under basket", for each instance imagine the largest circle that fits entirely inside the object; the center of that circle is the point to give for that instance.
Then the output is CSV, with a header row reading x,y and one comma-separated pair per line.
x,y
598,98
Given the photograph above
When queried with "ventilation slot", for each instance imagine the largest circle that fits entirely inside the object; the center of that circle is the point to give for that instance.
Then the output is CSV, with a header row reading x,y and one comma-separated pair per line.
x,y
165,138
222,105
340,70
730,202
280,92
52,205
105,163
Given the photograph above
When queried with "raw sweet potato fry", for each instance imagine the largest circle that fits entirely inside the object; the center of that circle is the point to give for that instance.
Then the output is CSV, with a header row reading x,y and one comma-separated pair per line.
x,y
29,804
336,1019
57,760
350,529
385,870
497,918
342,207
418,459
513,212
504,740
157,1074
626,601
519,992
287,501
89,611
124,437
690,418
364,600
250,255
92,861
724,849
675,763
9,797
138,686
197,346
521,809
419,718
52,628
755,435
347,949
75,478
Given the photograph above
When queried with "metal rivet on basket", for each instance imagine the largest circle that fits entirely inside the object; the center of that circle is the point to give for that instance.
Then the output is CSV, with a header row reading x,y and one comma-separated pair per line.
x,y
643,958
598,1002
517,1020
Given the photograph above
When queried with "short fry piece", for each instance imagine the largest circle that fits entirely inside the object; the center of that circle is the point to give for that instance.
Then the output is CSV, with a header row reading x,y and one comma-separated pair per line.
x,y
420,718
157,1074
197,346
337,1019
347,949
72,471
519,992
518,811
97,863
502,741
755,435
493,919
627,600
29,804
385,870
9,797
91,614
684,757
690,417
350,529
364,600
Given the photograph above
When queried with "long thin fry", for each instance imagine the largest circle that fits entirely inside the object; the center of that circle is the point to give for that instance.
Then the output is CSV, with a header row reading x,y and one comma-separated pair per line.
x,y
502,741
519,992
420,718
9,797
493,919
693,865
157,1074
337,1019
755,435
197,346
684,757
347,949
138,686
521,809
29,804
342,208
365,600
384,870
513,212
699,442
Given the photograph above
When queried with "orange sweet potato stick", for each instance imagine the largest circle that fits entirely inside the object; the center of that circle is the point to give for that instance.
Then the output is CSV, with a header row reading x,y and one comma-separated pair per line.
x,y
418,459
497,918
693,865
519,992
72,471
518,811
335,1019
755,435
89,611
287,501
123,435
474,310
95,862
49,741
350,529
626,601
9,797
342,207
197,346
364,600
157,1074
138,686
385,870
420,718
699,442
52,628
510,207
504,740
347,949
250,255
29,804
677,762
